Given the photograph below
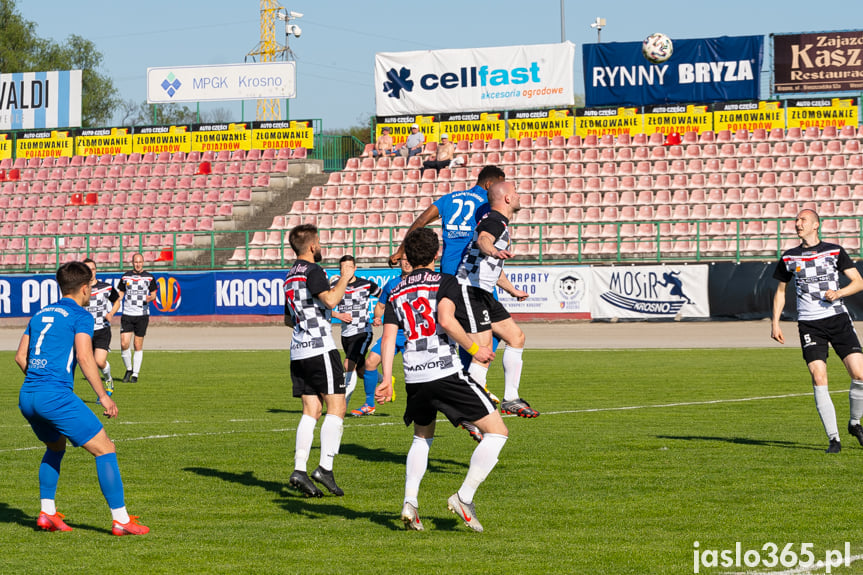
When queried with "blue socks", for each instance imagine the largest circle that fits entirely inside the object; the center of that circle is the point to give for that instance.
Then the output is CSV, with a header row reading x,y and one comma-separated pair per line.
x,y
370,382
49,473
109,480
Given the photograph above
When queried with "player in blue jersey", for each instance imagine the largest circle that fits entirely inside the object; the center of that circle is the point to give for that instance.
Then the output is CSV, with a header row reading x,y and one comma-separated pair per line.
x,y
58,338
373,359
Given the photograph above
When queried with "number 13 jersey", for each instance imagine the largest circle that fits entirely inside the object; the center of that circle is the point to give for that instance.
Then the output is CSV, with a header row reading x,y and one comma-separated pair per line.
x,y
429,353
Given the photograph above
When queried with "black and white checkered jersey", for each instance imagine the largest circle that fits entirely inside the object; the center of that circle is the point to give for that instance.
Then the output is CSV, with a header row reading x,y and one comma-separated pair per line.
x,y
478,269
429,353
313,334
102,298
136,287
815,271
356,302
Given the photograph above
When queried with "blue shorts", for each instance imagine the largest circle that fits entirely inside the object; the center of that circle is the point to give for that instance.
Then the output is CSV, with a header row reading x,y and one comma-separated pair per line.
x,y
53,414
400,343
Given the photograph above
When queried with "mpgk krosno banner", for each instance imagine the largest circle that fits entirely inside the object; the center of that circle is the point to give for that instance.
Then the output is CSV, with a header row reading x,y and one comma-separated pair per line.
x,y
700,70
650,292
476,79
40,100
221,82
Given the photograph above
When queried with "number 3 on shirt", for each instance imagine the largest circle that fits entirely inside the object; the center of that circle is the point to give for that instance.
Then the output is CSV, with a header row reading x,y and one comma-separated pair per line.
x,y
422,306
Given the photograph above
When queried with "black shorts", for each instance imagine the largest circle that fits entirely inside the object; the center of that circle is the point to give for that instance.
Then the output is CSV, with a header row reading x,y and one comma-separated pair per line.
x,y
319,375
457,396
356,346
837,330
135,323
480,310
102,339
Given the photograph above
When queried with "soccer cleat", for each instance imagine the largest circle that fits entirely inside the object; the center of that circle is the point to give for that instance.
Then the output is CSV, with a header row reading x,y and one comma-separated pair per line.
x,y
300,481
474,431
130,528
52,522
128,376
856,431
326,479
495,399
465,510
133,379
411,518
365,409
835,446
109,387
518,407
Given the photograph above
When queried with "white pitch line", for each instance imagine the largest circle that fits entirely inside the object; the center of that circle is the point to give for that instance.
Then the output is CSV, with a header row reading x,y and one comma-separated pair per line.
x,y
399,421
816,566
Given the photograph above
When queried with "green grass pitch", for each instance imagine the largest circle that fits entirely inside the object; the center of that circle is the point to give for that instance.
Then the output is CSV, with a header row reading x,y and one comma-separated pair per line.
x,y
637,455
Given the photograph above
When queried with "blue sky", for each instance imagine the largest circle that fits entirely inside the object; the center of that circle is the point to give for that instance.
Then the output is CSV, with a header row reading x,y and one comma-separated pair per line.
x,y
335,55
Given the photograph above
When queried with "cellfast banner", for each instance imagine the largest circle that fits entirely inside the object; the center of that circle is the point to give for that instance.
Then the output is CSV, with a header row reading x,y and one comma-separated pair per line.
x,y
224,82
474,80
40,100
700,70
650,292
818,62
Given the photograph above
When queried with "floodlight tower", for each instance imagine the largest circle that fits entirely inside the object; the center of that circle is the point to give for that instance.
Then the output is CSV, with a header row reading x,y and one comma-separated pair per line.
x,y
269,50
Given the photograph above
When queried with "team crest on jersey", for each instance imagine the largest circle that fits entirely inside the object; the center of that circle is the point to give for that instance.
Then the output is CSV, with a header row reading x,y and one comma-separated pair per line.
x,y
169,297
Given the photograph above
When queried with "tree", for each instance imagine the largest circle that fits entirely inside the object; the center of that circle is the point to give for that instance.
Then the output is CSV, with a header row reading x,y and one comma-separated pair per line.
x,y
21,50
360,131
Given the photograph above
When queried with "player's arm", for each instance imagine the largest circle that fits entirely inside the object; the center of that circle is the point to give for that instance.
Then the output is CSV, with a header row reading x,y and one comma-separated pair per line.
x,y
446,319
334,296
153,289
778,306
378,314
289,319
504,284
855,286
429,215
485,241
384,390
84,353
21,354
114,298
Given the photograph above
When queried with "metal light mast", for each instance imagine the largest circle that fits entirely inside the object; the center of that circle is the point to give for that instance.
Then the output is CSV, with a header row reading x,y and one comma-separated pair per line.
x,y
269,50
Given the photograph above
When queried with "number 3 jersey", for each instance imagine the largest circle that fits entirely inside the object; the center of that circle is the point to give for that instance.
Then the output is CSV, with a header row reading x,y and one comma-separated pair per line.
x,y
429,353
816,270
312,331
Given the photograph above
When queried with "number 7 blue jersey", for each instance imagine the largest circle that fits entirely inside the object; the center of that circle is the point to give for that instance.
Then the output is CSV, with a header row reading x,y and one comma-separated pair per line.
x,y
459,212
51,356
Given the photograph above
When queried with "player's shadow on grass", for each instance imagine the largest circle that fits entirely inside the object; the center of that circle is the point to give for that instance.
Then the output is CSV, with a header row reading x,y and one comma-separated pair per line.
x,y
277,410
315,508
743,441
364,453
14,515
245,478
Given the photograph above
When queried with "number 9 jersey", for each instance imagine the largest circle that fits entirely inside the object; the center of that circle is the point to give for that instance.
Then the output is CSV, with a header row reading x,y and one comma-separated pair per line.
x,y
429,353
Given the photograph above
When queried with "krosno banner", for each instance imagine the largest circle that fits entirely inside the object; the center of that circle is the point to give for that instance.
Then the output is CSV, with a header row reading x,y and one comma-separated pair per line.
x,y
475,79
223,82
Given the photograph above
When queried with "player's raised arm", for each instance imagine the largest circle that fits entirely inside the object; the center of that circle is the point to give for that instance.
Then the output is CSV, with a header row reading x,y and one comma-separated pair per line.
x,y
485,241
429,215
334,296
778,306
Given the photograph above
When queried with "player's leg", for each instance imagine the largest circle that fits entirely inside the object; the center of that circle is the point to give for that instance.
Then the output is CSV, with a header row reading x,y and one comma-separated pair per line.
x,y
370,380
415,468
814,339
101,356
333,425
514,338
303,374
126,334
847,346
49,476
141,324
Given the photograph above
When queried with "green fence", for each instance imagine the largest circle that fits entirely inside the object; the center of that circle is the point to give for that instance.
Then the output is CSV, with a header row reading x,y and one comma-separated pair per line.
x,y
584,242
335,150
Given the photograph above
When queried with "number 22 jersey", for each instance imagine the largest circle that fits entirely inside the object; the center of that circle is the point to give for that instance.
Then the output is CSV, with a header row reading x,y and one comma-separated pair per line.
x,y
429,353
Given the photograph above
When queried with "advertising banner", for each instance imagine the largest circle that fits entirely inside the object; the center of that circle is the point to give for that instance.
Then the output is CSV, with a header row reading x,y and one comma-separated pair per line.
x,y
822,112
158,139
818,62
219,137
400,127
608,121
473,126
253,81
538,123
552,290
680,119
53,144
278,135
700,70
5,146
474,79
40,100
650,292
748,116
102,141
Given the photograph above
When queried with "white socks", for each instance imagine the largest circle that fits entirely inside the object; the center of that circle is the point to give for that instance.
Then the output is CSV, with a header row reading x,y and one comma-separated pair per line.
x,y
415,469
511,373
855,397
120,515
137,359
331,439
482,461
478,373
49,507
126,354
350,385
825,408
305,434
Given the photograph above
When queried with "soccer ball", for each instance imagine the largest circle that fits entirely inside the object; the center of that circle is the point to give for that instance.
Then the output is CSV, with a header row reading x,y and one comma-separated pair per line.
x,y
657,48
